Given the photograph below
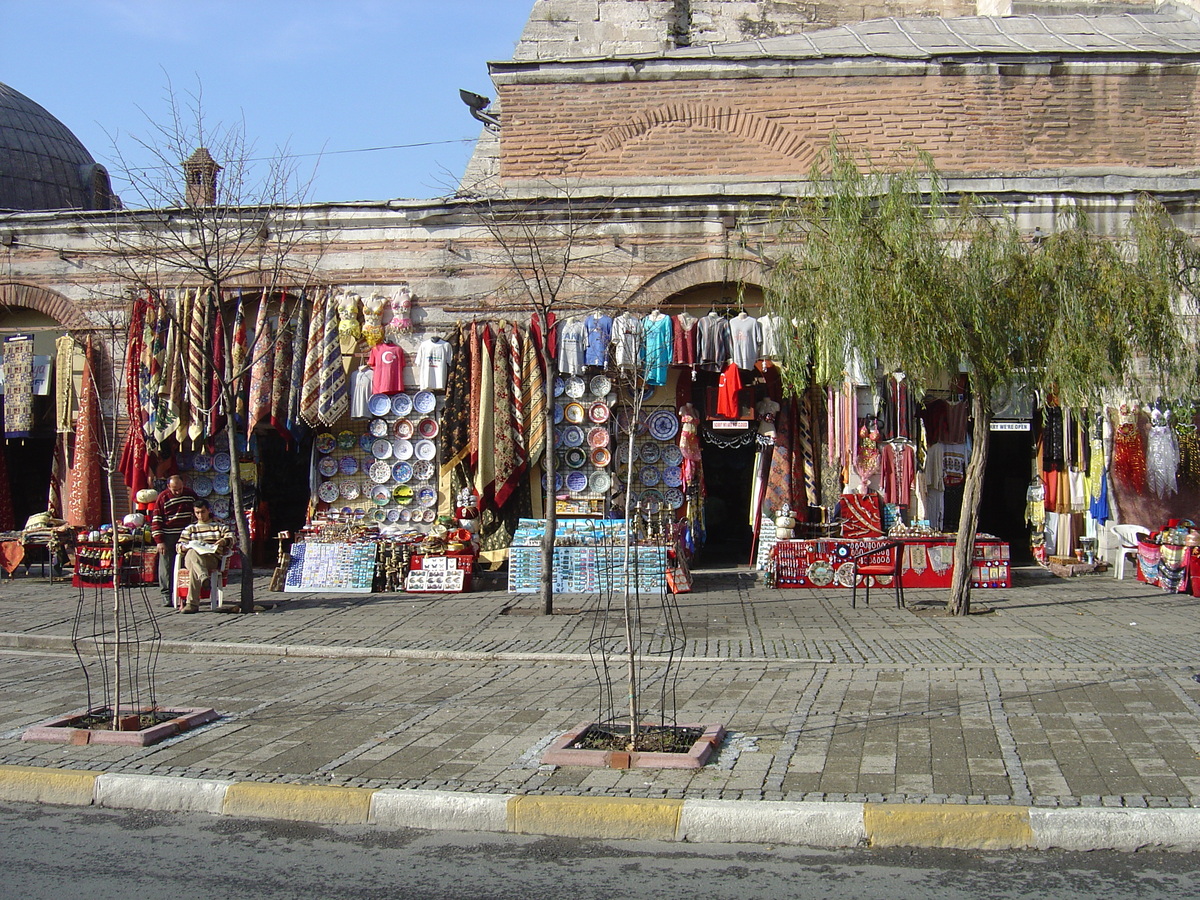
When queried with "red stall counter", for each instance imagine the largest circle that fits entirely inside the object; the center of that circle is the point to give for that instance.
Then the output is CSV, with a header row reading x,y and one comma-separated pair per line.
x,y
928,562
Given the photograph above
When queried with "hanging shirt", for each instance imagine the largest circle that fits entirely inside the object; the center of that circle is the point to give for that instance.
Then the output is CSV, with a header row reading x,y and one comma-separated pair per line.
x,y
712,342
388,362
897,468
743,334
954,464
727,391
684,339
361,382
771,332
658,335
572,347
626,340
433,364
599,335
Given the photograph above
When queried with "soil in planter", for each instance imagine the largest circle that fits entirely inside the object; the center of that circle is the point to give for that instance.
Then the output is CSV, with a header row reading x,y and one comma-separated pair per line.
x,y
102,720
655,739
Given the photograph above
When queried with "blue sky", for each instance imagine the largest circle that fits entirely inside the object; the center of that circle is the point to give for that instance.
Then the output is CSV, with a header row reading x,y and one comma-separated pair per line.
x,y
312,75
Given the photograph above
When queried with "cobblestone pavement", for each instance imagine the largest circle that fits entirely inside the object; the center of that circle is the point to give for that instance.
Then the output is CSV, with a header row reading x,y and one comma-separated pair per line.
x,y
1065,693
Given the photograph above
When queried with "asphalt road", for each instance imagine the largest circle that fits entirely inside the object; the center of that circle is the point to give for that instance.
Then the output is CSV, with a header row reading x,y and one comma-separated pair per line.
x,y
54,852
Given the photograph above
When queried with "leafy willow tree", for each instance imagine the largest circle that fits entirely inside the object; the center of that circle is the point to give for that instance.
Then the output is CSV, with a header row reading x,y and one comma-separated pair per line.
x,y
208,216
888,266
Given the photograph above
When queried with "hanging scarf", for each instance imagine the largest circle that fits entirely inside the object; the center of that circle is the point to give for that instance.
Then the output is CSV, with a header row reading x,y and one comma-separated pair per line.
x,y
507,439
240,352
64,388
310,393
485,429
805,461
262,370
167,415
134,461
779,478
295,424
456,409
197,357
18,387
477,367
533,401
216,399
281,373
334,400
84,493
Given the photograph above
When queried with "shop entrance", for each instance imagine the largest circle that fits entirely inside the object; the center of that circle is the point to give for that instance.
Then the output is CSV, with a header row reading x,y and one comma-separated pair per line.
x,y
728,477
1005,480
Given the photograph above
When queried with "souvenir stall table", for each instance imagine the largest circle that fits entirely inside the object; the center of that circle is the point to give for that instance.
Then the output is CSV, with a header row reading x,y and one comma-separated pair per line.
x,y
928,561
589,556
1170,559
136,562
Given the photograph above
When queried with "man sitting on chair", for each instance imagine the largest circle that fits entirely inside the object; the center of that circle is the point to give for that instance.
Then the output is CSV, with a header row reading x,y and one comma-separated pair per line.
x,y
205,541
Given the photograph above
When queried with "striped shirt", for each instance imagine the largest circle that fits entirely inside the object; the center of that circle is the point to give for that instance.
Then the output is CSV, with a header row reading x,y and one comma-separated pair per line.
x,y
210,532
172,513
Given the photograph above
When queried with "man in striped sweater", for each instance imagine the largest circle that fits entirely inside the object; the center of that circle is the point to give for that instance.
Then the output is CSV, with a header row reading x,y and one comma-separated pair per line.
x,y
172,512
204,542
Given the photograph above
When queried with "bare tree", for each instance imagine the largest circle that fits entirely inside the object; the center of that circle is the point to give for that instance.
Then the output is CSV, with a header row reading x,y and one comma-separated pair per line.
x,y
209,218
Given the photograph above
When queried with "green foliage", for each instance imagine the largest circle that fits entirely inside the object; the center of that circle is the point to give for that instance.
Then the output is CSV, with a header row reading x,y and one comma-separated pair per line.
x,y
886,266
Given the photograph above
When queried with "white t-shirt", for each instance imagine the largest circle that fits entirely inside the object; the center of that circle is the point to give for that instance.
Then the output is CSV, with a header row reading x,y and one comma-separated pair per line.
x,y
433,364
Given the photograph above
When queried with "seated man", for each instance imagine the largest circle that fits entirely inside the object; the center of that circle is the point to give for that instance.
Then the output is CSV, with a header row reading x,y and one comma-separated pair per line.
x,y
205,542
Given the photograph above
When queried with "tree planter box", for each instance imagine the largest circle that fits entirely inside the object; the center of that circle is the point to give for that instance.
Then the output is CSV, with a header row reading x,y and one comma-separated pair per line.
x,y
563,753
73,728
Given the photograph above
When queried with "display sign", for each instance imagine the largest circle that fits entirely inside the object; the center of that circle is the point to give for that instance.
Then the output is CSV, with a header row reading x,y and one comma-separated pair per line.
x,y
729,425
331,568
1009,426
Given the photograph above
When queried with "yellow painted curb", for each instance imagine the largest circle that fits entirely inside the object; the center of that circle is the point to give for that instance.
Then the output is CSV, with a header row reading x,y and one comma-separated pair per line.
x,y
33,784
298,803
595,817
974,827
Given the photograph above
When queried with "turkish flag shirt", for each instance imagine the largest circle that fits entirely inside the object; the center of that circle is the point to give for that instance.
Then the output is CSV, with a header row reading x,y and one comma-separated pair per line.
x,y
388,362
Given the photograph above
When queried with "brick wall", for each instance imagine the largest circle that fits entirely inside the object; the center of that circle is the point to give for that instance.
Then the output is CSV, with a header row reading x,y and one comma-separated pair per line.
x,y
773,127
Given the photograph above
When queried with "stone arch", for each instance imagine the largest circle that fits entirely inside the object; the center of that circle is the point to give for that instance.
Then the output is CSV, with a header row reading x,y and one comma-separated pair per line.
x,y
693,273
726,119
47,302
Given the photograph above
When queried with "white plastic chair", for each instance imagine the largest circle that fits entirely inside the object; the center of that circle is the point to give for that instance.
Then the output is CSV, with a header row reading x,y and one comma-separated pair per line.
x,y
217,582
1127,544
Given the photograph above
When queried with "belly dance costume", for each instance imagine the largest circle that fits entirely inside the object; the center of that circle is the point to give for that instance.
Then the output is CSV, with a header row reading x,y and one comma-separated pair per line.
x,y
1129,456
1162,455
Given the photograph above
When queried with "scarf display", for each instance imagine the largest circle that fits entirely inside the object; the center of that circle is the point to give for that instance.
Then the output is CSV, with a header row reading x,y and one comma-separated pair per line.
x,y
262,368
64,386
18,387
310,392
85,501
457,406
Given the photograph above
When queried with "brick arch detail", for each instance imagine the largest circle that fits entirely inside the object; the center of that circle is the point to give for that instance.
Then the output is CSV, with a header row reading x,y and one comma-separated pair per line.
x,y
746,125
47,302
710,270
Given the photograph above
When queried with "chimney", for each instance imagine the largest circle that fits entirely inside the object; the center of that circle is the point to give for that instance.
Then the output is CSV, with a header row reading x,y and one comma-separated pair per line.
x,y
200,175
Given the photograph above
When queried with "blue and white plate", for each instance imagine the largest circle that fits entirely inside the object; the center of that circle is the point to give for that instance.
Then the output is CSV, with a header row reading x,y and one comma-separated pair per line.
x,y
221,462
424,402
402,472
201,486
379,404
327,466
662,425
402,404
379,427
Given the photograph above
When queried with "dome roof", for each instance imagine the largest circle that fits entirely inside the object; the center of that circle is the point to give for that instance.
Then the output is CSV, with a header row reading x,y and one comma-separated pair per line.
x,y
43,165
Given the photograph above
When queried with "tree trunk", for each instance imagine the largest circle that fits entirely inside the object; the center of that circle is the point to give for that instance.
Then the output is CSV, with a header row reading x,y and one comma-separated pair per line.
x,y
241,529
548,468
968,523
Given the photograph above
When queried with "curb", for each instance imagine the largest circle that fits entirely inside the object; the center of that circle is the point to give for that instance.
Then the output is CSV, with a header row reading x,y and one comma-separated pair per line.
x,y
827,825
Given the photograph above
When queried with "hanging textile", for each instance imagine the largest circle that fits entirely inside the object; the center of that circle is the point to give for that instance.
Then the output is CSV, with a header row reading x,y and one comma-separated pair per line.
x,y
1129,456
805,462
689,443
727,392
310,392
295,424
179,370
18,386
779,478
658,340
477,367
1189,453
262,368
507,449
485,429
160,418
167,416
239,355
216,399
281,374
334,402
134,460
533,401
197,364
84,492
1162,455
64,382
55,496
457,404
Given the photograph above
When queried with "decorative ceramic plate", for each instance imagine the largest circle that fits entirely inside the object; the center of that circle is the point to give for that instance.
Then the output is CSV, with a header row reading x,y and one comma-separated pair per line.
x,y
672,477
662,424
403,428
559,386
423,470
649,453
575,457
426,496
424,402
381,449
201,485
651,500
572,436
364,442
601,457
221,462
429,516
558,481
393,515
184,458
348,465
380,495
844,574
348,490
673,497
378,515
402,472
574,413
405,515
380,472
820,573
577,482
600,386
202,462
328,491
220,484
327,466
558,413
379,404
325,442
426,449
402,404
599,482
598,437
576,387
649,476
347,440
427,428
379,427
599,412
220,507
672,455
402,494
402,448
